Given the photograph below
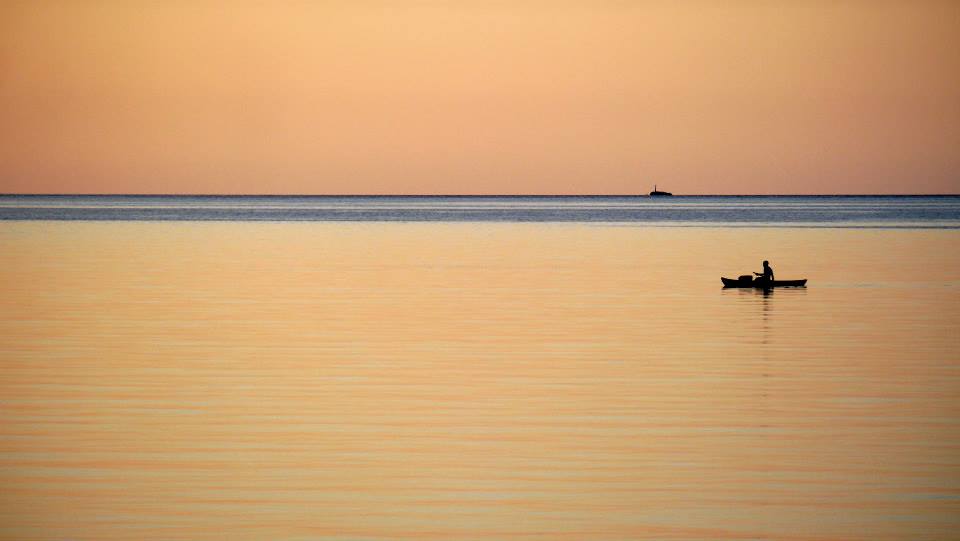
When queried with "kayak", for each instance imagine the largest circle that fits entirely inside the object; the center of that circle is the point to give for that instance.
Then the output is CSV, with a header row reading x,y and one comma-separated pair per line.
x,y
748,281
761,283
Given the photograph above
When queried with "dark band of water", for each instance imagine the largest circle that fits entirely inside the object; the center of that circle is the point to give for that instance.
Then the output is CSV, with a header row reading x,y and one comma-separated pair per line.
x,y
791,211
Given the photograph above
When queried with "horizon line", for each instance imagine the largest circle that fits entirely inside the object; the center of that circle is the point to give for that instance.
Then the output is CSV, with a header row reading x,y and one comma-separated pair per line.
x,y
118,194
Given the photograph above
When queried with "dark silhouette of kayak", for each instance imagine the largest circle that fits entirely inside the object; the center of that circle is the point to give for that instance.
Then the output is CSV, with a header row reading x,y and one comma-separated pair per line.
x,y
749,281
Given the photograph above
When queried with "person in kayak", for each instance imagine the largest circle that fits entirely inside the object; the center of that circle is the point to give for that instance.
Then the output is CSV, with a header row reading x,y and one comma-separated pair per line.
x,y
767,274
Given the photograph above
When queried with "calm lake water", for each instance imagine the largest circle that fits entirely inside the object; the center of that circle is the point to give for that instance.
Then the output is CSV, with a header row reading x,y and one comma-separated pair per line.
x,y
478,368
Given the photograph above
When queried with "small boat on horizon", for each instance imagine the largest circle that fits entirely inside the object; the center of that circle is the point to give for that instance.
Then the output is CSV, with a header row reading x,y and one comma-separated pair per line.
x,y
760,283
657,192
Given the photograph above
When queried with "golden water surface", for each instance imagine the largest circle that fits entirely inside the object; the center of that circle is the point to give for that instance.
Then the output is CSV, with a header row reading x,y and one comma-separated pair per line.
x,y
321,381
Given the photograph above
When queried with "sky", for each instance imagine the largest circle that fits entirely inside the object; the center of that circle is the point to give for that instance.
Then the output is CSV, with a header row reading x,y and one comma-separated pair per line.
x,y
495,97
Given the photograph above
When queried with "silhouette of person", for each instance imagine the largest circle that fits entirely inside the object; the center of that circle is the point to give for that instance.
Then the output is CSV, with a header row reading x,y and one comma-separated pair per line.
x,y
767,274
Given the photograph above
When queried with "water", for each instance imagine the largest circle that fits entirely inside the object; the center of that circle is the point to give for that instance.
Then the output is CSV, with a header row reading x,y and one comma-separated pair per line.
x,y
410,378
809,211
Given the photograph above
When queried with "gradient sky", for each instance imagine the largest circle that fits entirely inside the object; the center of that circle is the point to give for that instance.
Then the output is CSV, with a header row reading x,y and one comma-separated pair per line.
x,y
479,97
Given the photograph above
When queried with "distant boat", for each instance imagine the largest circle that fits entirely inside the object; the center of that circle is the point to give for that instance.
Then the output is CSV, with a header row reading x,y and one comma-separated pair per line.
x,y
656,192
748,281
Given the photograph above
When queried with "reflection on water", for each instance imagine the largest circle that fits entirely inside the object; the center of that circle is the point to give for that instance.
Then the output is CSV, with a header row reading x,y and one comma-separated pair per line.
x,y
475,381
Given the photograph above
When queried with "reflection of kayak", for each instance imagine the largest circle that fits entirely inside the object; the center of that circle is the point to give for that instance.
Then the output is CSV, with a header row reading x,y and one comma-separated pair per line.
x,y
748,281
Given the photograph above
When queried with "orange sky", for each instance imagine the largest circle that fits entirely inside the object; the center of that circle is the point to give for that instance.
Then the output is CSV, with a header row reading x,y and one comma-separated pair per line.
x,y
479,97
